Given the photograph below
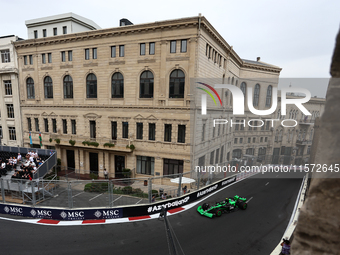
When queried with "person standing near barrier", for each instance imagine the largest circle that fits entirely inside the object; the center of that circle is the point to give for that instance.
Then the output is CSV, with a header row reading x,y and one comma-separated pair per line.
x,y
285,247
106,174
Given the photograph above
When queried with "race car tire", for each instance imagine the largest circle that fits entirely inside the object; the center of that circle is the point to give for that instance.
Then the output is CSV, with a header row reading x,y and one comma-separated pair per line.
x,y
242,205
205,206
218,213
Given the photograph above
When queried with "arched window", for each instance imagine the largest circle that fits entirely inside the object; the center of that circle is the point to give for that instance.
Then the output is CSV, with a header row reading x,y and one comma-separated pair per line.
x,y
177,82
237,153
256,95
117,85
91,86
243,87
68,87
48,87
269,96
146,85
262,153
232,81
30,88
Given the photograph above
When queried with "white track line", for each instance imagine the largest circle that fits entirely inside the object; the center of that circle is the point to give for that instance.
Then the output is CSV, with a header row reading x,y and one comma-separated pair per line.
x,y
79,194
95,197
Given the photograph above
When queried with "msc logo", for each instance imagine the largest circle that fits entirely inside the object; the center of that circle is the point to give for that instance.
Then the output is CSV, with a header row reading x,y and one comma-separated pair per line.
x,y
238,102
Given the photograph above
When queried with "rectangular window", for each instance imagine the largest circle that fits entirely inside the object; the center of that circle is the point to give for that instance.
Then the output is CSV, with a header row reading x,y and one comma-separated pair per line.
x,y
55,31
65,30
43,58
217,155
152,48
12,135
29,124
35,34
49,56
183,45
113,51
8,88
121,50
254,139
10,111
261,140
172,46
213,134
74,127
241,140
92,129
142,48
63,56
267,125
70,56
235,140
249,140
5,56
212,156
36,120
203,132
255,125
87,54
181,134
266,139
222,153
125,130
172,167
31,59
139,131
54,125
167,132
25,60
145,165
64,126
44,33
46,125
94,53
152,131
114,130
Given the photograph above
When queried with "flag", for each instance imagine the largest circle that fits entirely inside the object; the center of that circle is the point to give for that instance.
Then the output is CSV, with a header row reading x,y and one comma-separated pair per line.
x,y
40,139
30,138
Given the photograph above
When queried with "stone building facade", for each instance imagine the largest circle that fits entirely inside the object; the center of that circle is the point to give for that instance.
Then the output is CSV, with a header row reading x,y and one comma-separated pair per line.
x,y
10,118
136,85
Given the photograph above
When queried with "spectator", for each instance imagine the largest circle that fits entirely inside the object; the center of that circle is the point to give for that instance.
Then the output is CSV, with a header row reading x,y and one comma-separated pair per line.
x,y
153,198
185,189
164,196
285,247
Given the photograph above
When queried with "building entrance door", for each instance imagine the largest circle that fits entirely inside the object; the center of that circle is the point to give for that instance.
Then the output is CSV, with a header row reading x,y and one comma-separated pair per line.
x,y
119,166
93,162
70,159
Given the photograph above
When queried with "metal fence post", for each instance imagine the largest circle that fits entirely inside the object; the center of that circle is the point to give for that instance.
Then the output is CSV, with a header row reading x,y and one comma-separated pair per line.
x,y
3,191
179,185
150,190
198,179
69,192
33,193
110,187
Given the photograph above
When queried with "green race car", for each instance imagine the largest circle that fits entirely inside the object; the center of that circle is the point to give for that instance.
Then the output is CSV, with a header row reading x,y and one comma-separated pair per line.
x,y
228,205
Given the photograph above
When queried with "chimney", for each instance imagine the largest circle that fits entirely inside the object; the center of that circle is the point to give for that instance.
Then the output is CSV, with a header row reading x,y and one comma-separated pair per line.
x,y
258,58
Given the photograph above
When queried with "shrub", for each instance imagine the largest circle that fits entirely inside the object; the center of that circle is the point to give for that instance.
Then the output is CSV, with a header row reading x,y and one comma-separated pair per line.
x,y
93,176
97,187
95,144
127,190
50,140
86,143
72,142
109,145
57,140
131,147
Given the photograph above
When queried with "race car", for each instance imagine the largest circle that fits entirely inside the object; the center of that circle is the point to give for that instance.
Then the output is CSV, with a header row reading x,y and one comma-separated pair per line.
x,y
228,205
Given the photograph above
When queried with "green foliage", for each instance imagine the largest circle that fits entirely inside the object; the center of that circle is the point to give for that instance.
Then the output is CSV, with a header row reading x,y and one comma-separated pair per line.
x,y
127,190
72,142
127,172
85,143
97,187
131,147
95,144
93,176
110,145
155,192
50,140
57,140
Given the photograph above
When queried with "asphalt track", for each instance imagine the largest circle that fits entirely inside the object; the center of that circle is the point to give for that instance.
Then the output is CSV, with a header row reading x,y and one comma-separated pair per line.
x,y
255,231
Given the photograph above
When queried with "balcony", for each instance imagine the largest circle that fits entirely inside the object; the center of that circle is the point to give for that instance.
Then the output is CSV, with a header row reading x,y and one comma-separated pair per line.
x,y
303,142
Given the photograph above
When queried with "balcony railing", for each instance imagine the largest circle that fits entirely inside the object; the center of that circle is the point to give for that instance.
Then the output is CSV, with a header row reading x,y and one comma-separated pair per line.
x,y
303,142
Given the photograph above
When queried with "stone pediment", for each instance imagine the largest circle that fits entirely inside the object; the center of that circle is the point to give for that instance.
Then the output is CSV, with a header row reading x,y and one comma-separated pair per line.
x,y
92,116
151,117
139,117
